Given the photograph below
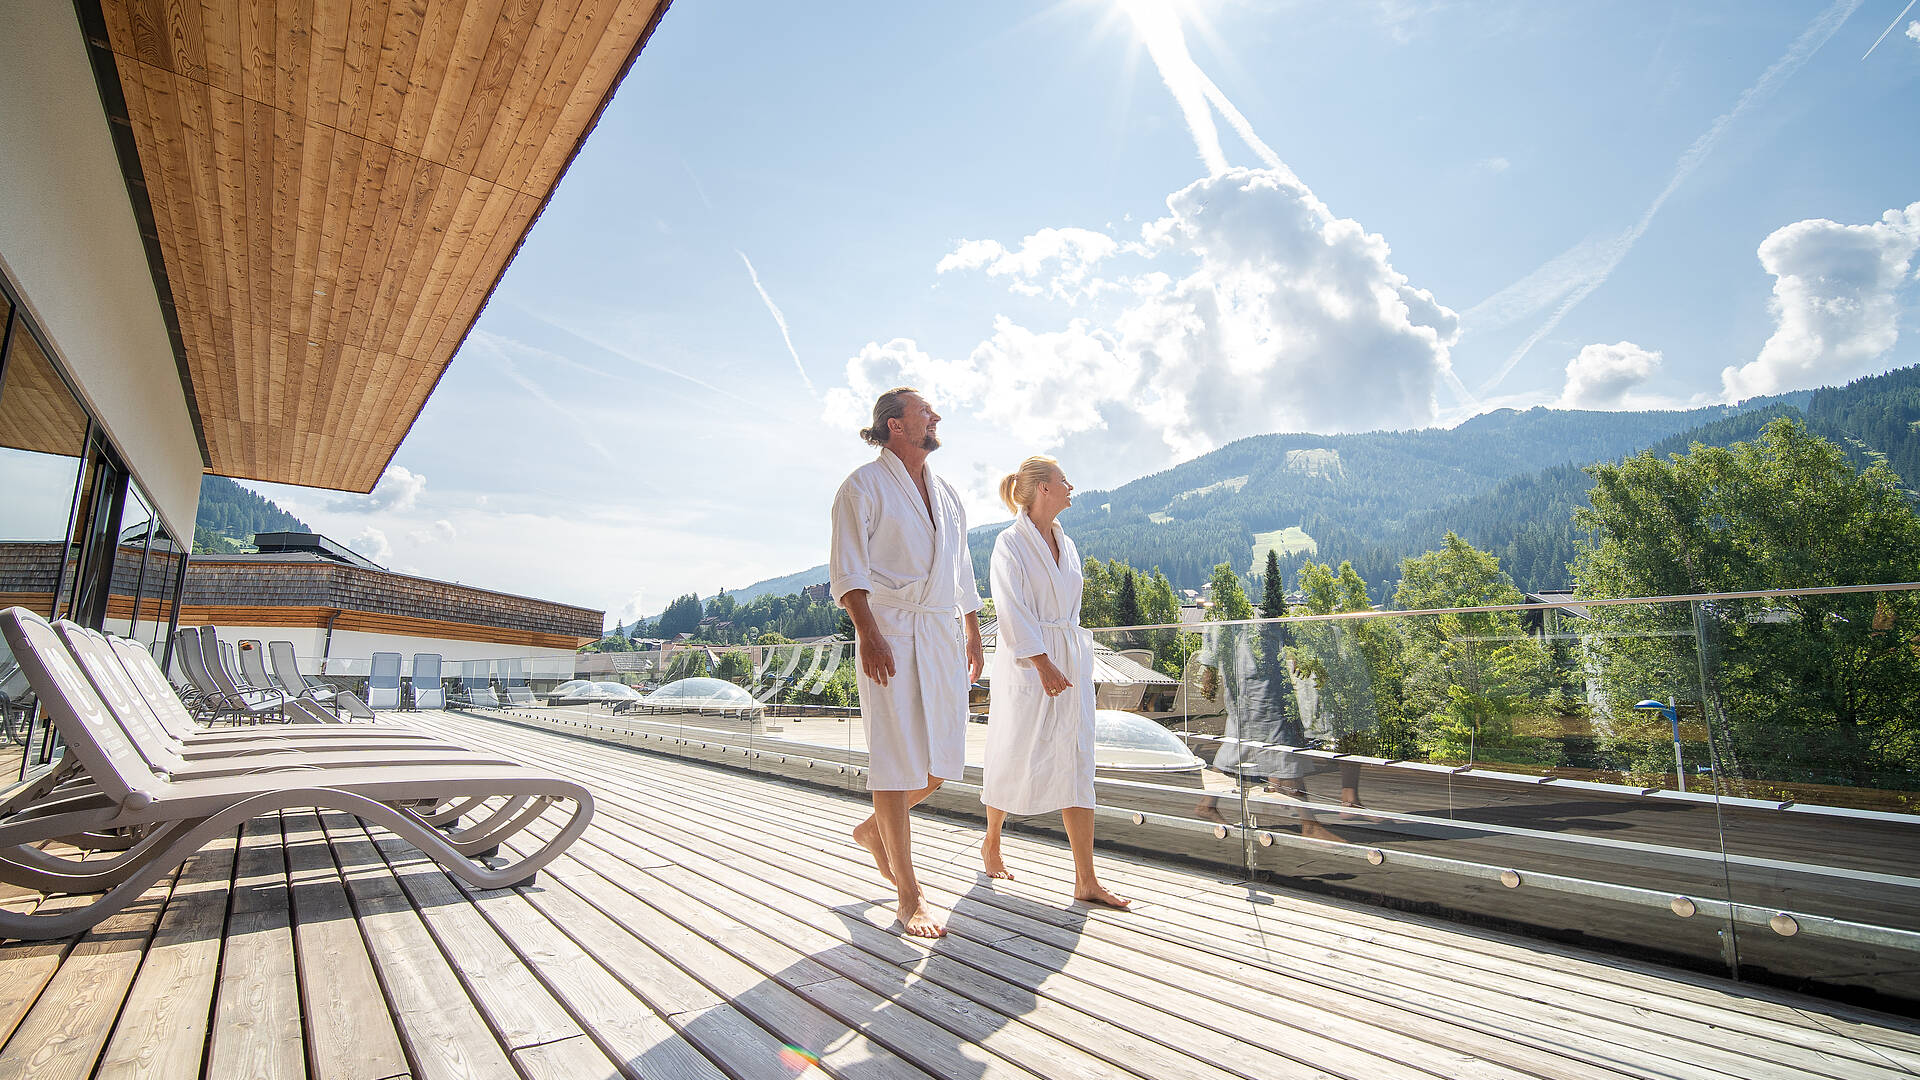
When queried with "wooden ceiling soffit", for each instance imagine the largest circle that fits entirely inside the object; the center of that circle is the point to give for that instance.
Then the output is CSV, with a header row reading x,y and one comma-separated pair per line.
x,y
334,188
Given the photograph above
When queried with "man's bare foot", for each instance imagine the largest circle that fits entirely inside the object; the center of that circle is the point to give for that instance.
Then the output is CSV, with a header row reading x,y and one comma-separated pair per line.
x,y
1317,831
1099,895
919,922
991,861
867,835
1209,810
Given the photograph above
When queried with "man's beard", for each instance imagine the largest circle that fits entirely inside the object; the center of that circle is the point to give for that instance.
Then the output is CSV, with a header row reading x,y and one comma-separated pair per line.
x,y
929,443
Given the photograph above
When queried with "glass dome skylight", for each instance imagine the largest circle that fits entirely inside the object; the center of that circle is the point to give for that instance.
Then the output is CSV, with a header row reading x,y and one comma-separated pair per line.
x,y
1124,740
701,694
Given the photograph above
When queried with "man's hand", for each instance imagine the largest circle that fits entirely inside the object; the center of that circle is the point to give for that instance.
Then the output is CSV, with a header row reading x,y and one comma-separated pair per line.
x,y
1052,679
976,655
876,656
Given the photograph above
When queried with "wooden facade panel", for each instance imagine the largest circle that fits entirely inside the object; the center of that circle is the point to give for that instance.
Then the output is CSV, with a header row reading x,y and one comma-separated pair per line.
x,y
337,185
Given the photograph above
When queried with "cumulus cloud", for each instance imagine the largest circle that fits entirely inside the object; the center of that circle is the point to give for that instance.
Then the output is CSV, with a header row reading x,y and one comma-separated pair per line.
x,y
1493,165
373,544
1835,303
1055,263
1280,314
1603,376
1913,30
442,531
399,489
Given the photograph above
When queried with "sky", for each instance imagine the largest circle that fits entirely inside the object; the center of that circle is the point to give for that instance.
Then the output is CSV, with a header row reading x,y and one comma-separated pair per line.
x,y
1125,232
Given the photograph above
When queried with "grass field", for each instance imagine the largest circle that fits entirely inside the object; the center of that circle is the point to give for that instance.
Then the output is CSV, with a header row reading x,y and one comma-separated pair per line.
x,y
1288,541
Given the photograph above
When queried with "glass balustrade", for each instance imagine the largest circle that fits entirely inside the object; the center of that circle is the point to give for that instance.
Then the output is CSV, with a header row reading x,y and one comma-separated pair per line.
x,y
1724,782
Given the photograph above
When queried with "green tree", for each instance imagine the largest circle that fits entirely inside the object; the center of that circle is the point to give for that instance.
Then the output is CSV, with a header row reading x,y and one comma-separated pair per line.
x,y
1126,607
1810,689
681,616
1229,599
1473,672
1096,595
773,637
1273,598
736,666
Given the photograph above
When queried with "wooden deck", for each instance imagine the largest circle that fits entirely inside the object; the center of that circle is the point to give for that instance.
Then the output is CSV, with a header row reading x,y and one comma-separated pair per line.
x,y
712,923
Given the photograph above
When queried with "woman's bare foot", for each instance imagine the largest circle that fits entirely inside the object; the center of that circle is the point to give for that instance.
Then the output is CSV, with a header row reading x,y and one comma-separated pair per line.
x,y
1317,831
1099,895
1209,810
918,921
991,861
867,835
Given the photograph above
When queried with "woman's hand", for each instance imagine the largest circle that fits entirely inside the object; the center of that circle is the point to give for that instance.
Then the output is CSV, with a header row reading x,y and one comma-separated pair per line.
x,y
1051,679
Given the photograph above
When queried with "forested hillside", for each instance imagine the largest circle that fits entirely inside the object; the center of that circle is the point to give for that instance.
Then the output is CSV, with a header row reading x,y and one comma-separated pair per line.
x,y
1506,482
230,514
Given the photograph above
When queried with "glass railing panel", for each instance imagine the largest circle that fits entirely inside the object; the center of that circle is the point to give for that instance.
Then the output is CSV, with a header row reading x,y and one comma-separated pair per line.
x,y
1484,761
1813,704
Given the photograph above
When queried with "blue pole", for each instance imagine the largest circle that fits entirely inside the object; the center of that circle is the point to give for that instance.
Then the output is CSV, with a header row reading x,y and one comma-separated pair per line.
x,y
1679,768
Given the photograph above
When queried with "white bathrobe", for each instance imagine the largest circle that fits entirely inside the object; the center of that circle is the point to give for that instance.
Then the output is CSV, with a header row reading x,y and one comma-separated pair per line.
x,y
1039,748
919,582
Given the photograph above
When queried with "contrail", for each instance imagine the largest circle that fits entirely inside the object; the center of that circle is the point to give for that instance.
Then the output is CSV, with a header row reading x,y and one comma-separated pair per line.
x,y
1797,54
1889,29
779,320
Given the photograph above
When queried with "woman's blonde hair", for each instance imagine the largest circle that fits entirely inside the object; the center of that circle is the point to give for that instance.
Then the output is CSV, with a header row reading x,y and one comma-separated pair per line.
x,y
1017,489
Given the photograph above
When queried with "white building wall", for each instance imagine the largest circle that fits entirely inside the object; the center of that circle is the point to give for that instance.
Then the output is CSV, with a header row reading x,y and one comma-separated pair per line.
x,y
69,241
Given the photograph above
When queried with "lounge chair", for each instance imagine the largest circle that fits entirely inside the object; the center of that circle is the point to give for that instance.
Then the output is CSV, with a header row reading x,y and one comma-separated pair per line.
x,y
383,685
515,684
222,695
253,668
174,818
476,686
180,725
287,669
16,710
429,689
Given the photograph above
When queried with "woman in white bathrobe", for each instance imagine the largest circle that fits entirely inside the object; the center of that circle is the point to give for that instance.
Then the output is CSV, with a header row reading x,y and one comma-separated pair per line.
x,y
1040,722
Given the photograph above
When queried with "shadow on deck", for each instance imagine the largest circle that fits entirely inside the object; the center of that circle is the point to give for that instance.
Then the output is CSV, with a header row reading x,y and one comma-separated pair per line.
x,y
716,924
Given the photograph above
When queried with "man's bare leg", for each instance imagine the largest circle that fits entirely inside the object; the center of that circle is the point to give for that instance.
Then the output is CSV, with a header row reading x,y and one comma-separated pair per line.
x,y
990,847
890,814
867,833
1086,885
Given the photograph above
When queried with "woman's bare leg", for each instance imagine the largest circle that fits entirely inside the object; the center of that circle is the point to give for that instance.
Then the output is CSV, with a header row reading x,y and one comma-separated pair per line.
x,y
990,847
1086,885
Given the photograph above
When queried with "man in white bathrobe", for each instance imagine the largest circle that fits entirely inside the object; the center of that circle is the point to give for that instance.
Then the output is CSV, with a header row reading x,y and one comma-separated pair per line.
x,y
900,567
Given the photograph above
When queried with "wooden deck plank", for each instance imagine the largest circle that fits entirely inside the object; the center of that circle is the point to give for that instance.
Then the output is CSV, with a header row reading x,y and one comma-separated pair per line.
x,y
256,1020
67,1027
1781,1050
710,917
619,1020
517,1007
350,1033
442,1030
770,886
763,810
162,1031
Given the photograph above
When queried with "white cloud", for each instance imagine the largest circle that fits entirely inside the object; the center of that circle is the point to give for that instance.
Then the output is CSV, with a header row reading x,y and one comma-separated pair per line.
x,y
1287,317
1913,30
1834,301
1493,165
442,531
1072,253
1603,376
399,489
373,544
632,608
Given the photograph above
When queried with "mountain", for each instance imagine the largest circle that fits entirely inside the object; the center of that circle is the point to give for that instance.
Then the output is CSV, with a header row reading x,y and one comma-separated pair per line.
x,y
230,515
1506,481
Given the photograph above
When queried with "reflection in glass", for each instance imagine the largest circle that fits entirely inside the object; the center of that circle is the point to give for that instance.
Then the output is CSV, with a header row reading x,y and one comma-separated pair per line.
x,y
42,433
124,610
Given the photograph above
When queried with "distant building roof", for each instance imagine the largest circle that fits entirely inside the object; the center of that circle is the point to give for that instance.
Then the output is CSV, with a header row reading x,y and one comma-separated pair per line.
x,y
307,543
818,593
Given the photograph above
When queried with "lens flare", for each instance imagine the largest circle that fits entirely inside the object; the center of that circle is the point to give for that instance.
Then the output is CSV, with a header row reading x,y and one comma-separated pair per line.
x,y
798,1059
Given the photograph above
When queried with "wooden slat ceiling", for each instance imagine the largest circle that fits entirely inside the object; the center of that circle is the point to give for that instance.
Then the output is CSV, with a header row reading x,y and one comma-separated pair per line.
x,y
336,186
